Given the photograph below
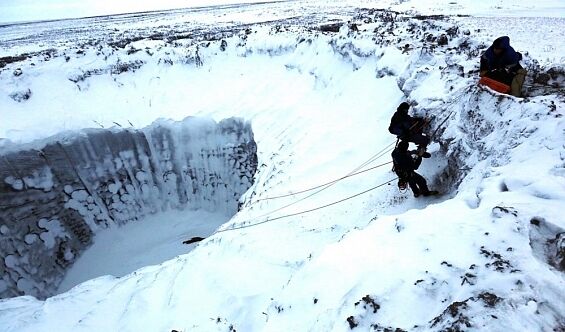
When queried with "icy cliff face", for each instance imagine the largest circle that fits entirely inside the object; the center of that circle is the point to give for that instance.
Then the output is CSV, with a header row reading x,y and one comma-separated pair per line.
x,y
57,196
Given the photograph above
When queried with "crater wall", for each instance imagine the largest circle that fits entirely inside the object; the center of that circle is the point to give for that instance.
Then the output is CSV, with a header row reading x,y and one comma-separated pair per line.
x,y
57,194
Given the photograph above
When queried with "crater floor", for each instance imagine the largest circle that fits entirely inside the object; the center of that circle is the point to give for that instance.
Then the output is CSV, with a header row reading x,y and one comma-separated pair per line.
x,y
118,251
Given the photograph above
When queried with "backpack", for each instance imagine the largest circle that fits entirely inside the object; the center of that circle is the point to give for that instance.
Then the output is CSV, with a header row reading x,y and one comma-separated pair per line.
x,y
395,129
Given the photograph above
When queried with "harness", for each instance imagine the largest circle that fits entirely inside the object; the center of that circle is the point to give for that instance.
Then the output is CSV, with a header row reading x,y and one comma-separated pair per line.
x,y
403,176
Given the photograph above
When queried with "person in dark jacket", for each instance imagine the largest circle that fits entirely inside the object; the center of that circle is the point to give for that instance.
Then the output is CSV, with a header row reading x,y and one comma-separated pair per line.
x,y
405,166
409,128
502,63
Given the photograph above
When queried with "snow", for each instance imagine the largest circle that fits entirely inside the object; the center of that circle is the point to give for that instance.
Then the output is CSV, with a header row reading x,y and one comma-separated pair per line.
x,y
33,10
119,251
319,108
541,8
53,229
40,179
17,184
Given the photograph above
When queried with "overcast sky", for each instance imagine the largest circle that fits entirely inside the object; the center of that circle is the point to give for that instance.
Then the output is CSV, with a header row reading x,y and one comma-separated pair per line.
x,y
33,10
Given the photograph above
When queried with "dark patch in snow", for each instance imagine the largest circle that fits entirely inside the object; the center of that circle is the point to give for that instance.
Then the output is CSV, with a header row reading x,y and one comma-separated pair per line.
x,y
223,45
11,59
122,67
367,300
499,211
379,328
468,278
334,27
21,96
193,240
116,69
543,81
458,316
352,323
446,264
498,263
430,17
453,318
548,242
489,299
370,307
442,40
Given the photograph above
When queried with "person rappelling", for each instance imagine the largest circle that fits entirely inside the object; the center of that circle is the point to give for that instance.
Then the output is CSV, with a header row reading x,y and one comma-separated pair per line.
x,y
408,128
405,165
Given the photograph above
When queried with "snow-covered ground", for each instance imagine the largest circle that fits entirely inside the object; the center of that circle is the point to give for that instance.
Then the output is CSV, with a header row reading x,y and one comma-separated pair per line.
x,y
485,256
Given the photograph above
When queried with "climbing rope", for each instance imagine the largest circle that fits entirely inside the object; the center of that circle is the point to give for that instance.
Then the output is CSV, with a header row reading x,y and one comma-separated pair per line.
x,y
441,124
330,184
304,211
322,185
354,172
327,185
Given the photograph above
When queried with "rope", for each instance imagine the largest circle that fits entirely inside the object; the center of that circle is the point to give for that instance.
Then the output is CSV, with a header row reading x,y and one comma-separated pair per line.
x,y
305,211
354,172
441,124
350,174
331,183
322,185
374,157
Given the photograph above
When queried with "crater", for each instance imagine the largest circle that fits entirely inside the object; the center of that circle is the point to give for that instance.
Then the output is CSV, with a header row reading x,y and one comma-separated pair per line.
x,y
72,193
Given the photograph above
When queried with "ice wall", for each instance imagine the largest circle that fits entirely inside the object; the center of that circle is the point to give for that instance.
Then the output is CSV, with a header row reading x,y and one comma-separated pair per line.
x,y
55,195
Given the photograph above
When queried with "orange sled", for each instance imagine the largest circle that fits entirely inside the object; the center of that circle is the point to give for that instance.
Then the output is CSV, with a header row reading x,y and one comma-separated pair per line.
x,y
495,85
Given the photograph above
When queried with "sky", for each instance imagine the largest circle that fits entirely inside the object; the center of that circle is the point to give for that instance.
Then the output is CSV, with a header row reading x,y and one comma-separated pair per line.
x,y
36,10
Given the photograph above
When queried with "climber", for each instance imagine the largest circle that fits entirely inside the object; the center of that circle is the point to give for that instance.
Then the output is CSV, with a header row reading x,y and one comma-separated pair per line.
x,y
501,63
405,165
409,128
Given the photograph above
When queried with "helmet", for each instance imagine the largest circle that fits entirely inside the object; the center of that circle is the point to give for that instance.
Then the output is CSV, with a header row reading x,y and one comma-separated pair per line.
x,y
403,107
